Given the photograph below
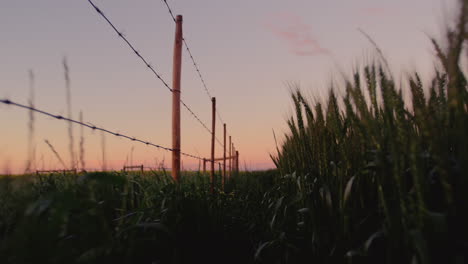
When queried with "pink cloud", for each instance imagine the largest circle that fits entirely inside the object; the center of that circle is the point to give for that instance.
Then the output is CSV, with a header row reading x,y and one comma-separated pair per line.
x,y
297,34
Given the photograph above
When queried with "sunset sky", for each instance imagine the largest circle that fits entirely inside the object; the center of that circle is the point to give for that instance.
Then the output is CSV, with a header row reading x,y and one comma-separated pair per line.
x,y
248,52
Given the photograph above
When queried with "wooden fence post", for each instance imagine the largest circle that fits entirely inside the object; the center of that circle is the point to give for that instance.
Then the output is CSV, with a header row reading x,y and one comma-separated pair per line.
x,y
224,156
230,157
176,74
237,162
233,159
204,165
213,135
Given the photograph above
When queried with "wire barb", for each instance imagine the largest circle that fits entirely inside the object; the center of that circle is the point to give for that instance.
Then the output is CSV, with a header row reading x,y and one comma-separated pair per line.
x,y
93,127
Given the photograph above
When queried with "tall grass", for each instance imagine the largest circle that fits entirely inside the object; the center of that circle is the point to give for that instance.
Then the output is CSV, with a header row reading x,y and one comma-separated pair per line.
x,y
31,160
123,218
382,177
71,145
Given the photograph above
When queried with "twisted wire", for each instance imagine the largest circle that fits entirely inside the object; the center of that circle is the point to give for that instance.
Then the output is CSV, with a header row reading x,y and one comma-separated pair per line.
x,y
197,69
170,10
93,127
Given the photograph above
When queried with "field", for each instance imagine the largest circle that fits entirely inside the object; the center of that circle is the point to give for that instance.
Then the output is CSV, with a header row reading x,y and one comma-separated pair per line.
x,y
366,173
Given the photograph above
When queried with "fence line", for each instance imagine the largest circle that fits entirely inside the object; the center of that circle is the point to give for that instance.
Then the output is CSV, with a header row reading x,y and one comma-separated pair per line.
x,y
93,127
174,90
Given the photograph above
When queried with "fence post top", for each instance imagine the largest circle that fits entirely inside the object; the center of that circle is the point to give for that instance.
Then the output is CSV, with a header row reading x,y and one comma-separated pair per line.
x,y
179,18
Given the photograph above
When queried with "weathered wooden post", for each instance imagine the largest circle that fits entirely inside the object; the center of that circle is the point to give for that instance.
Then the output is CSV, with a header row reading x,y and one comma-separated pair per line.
x,y
213,135
237,162
233,159
176,74
224,156
230,157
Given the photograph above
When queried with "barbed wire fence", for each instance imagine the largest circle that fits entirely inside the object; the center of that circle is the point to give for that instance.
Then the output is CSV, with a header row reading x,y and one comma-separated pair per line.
x,y
158,76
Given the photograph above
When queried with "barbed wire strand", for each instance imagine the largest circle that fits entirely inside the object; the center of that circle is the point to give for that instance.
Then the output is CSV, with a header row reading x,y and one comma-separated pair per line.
x,y
93,127
121,35
170,10
100,12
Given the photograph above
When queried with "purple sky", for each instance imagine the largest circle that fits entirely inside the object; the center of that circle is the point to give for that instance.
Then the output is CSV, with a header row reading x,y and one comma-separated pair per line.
x,y
247,51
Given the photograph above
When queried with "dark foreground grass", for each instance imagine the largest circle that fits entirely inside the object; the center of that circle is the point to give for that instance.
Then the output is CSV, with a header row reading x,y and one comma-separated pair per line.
x,y
131,218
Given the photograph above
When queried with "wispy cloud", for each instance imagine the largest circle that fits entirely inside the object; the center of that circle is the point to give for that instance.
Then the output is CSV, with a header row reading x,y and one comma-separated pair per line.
x,y
297,34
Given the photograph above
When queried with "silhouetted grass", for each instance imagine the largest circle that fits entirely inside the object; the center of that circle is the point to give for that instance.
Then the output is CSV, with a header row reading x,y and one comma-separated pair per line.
x,y
124,218
379,177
